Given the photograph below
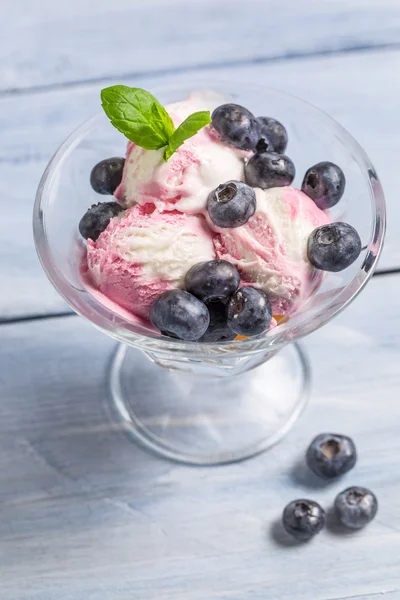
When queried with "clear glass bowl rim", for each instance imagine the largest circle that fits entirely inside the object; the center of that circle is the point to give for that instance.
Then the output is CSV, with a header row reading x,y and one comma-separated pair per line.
x,y
105,317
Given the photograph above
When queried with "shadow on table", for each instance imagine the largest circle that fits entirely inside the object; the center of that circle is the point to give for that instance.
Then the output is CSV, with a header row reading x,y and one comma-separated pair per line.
x,y
280,537
76,435
304,477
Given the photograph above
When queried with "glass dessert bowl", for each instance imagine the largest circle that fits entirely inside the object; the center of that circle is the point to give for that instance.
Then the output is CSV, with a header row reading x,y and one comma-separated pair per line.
x,y
214,402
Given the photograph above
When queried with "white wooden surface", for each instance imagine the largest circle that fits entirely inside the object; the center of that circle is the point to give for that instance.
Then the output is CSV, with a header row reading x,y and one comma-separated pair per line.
x,y
47,43
83,512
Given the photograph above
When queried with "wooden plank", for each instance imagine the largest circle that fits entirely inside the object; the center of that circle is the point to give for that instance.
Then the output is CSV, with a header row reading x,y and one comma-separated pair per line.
x,y
98,40
84,513
358,90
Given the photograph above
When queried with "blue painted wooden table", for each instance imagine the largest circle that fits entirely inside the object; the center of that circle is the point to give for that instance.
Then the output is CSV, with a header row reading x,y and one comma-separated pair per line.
x,y
85,514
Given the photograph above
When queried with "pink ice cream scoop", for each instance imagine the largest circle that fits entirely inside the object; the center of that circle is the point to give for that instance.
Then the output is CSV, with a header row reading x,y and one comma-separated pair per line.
x,y
143,253
197,167
270,251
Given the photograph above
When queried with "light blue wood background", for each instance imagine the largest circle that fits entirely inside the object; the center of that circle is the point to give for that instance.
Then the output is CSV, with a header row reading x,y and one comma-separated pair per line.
x,y
83,513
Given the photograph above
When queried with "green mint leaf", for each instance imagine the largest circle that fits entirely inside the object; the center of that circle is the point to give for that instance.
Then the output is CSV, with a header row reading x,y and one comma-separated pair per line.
x,y
187,129
138,115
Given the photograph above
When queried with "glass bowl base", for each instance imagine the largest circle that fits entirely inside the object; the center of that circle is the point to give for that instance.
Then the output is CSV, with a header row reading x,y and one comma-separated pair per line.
x,y
197,420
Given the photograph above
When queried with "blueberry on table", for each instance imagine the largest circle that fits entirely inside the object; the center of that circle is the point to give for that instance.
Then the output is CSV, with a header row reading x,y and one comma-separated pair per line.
x,y
356,507
218,329
107,175
96,219
330,455
231,204
236,126
303,519
333,247
179,314
273,135
324,183
268,170
249,311
212,280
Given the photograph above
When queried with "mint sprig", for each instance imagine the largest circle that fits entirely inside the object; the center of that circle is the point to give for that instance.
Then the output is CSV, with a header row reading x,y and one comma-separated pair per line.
x,y
142,119
138,115
187,129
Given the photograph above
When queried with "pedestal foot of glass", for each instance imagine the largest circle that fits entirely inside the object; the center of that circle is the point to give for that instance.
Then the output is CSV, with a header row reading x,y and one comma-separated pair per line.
x,y
197,420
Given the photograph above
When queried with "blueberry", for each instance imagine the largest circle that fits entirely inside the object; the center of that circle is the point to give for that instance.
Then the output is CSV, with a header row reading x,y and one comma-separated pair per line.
x,y
236,125
324,183
268,170
356,507
179,314
107,175
231,204
249,311
96,219
218,329
212,280
330,455
273,135
333,247
303,519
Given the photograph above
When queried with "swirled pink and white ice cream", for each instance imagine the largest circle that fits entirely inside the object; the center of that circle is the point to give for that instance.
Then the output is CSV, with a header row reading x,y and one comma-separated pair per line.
x,y
144,253
185,180
270,250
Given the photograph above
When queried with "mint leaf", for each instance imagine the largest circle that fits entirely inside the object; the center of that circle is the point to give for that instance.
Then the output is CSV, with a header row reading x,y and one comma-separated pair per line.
x,y
138,115
187,129
144,121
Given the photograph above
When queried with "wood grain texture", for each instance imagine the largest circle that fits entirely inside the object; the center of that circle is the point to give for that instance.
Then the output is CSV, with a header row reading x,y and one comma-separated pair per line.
x,y
85,513
358,90
46,43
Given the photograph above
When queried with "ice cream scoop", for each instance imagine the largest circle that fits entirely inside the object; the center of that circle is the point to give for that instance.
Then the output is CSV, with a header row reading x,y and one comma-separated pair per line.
x,y
196,168
270,250
144,253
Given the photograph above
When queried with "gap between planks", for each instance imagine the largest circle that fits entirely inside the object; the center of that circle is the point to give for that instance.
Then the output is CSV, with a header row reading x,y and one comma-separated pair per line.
x,y
214,66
